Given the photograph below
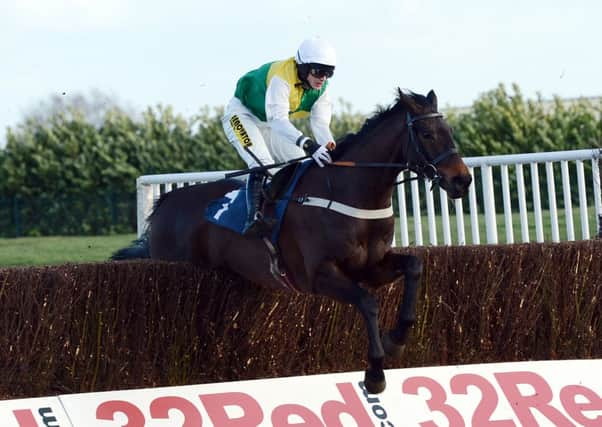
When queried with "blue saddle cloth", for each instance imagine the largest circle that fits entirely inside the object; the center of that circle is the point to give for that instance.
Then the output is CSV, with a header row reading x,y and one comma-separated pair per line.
x,y
230,211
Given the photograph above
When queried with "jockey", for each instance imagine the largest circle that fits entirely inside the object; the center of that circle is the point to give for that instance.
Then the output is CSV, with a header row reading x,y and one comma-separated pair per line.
x,y
257,119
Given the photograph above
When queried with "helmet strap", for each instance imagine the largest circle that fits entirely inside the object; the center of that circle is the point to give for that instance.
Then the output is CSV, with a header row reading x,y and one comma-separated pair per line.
x,y
301,70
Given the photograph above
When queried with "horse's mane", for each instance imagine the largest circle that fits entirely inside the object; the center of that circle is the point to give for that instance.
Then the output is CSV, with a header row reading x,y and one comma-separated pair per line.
x,y
382,113
156,205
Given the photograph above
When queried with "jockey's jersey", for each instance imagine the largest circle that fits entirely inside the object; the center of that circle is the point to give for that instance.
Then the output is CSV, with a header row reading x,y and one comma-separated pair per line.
x,y
252,87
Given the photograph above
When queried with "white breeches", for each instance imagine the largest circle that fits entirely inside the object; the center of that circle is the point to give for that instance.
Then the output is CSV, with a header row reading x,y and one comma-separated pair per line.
x,y
249,135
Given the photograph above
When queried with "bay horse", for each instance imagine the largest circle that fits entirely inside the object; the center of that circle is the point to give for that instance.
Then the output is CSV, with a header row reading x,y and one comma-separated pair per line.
x,y
323,251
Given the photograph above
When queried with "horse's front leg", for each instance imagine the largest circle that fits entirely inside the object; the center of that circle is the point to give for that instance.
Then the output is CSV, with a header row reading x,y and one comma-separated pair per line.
x,y
330,281
389,269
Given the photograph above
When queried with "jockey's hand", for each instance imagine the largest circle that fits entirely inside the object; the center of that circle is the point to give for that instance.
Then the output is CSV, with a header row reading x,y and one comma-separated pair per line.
x,y
331,145
321,156
318,152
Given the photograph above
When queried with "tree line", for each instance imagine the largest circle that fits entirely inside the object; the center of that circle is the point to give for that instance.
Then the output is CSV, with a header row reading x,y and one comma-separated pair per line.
x,y
68,173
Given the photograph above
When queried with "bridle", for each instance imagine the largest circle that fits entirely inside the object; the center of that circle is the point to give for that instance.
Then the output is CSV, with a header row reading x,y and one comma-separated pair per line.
x,y
424,167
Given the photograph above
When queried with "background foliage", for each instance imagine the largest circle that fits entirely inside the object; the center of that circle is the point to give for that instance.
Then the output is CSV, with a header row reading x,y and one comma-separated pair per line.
x,y
71,169
503,122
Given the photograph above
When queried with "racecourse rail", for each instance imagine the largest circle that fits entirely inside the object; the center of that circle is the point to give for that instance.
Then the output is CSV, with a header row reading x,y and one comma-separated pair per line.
x,y
562,169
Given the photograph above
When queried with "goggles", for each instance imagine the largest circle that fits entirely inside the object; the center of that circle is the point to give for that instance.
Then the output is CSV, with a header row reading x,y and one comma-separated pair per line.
x,y
321,72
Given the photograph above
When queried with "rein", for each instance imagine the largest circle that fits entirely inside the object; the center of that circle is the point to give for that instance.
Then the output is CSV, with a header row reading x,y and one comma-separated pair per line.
x,y
424,169
265,168
403,166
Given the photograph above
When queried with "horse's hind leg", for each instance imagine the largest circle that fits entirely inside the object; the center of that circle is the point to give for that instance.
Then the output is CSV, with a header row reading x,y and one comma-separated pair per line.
x,y
394,340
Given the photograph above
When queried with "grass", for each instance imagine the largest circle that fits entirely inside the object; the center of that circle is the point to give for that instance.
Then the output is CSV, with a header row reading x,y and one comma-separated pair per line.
x,y
78,249
60,249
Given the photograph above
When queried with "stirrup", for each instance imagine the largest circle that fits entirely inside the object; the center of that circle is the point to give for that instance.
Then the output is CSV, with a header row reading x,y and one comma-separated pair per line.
x,y
277,269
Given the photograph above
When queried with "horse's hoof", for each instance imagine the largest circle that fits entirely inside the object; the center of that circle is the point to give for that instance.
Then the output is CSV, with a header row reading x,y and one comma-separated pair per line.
x,y
391,348
375,384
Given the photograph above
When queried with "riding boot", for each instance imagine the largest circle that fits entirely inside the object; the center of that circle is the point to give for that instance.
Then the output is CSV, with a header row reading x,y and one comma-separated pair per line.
x,y
254,223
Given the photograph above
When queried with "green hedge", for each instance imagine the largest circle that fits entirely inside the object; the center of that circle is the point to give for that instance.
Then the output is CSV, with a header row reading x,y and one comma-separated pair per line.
x,y
67,155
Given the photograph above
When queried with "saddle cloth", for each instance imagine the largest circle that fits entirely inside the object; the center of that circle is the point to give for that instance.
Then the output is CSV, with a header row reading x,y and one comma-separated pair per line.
x,y
230,211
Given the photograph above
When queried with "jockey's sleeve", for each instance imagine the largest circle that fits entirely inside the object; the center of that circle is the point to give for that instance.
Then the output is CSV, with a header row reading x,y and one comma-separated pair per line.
x,y
276,109
319,119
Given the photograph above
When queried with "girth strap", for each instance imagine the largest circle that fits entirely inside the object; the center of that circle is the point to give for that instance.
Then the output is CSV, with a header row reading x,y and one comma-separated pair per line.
x,y
346,209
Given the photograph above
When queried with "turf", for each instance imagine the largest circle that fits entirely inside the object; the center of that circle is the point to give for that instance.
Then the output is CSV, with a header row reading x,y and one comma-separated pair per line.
x,y
60,249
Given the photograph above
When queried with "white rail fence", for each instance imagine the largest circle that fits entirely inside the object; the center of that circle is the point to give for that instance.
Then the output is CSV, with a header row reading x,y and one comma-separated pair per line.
x,y
509,201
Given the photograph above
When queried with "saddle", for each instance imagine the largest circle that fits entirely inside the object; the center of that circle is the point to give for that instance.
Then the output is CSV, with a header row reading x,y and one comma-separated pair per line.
x,y
230,210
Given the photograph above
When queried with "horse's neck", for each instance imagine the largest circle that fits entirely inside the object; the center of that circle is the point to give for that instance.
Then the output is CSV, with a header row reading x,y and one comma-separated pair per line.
x,y
369,188
372,185
380,145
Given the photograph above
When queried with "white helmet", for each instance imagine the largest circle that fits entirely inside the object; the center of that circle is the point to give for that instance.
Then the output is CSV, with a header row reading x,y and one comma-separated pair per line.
x,y
316,51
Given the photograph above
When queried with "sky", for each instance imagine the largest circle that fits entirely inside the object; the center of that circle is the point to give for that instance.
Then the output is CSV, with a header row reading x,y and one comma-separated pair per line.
x,y
189,54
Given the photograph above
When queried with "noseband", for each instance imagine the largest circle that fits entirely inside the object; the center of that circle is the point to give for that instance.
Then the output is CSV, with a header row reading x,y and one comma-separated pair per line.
x,y
424,167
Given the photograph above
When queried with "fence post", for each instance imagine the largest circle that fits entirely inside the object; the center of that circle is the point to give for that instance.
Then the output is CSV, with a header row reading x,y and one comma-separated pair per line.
x,y
403,218
537,203
474,215
144,204
489,202
568,204
582,200
597,177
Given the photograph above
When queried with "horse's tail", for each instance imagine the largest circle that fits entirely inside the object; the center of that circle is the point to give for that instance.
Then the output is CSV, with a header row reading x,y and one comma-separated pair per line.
x,y
138,249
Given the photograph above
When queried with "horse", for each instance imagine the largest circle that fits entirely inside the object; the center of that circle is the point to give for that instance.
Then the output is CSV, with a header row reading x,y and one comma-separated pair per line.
x,y
339,254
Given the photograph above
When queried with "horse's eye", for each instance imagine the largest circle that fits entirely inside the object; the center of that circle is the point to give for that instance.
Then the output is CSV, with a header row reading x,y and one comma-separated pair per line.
x,y
427,135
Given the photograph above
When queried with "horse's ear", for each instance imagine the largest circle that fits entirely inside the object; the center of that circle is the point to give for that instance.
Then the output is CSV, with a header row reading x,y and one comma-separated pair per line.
x,y
406,99
432,98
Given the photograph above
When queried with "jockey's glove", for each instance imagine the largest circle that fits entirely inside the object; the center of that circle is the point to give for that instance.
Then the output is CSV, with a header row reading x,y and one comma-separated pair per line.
x,y
318,152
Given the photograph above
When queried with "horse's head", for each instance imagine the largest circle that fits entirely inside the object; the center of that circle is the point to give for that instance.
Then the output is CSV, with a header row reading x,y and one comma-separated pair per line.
x,y
430,150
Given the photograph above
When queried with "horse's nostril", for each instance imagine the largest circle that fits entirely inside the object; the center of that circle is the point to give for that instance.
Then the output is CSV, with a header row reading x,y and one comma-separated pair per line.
x,y
462,181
